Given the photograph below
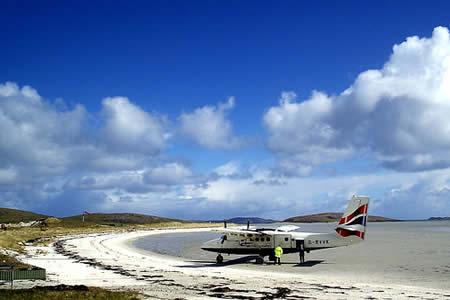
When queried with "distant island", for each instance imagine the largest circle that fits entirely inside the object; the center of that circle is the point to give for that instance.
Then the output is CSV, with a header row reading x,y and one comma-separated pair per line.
x,y
439,219
332,217
314,218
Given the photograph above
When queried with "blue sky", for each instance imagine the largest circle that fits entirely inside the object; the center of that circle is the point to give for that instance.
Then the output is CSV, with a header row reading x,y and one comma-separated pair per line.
x,y
163,105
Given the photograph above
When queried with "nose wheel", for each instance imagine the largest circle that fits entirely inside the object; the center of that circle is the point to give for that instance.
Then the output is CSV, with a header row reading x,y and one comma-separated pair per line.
x,y
219,259
259,260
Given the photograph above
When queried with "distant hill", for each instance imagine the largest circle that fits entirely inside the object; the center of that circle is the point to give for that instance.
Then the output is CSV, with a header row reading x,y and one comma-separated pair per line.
x,y
332,217
117,218
9,215
439,219
253,220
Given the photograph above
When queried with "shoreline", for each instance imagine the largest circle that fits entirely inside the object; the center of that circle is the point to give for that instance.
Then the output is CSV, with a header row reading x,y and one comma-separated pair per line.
x,y
111,261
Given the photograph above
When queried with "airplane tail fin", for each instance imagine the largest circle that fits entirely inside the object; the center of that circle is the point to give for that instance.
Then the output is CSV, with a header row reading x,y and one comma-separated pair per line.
x,y
353,221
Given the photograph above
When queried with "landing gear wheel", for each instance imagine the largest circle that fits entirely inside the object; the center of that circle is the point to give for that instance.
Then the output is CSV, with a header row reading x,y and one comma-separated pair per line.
x,y
260,260
219,259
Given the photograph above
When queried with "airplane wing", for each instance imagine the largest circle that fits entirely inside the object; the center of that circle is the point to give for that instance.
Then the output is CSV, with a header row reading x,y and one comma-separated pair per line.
x,y
237,231
284,228
287,228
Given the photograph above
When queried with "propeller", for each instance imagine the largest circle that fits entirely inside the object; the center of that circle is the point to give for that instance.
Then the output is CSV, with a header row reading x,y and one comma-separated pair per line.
x,y
224,223
248,224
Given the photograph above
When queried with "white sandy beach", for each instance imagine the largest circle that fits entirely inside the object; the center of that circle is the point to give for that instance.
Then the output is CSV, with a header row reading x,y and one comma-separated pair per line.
x,y
108,260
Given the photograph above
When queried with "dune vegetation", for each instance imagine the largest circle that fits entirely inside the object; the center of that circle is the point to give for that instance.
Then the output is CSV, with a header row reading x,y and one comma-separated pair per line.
x,y
67,293
16,238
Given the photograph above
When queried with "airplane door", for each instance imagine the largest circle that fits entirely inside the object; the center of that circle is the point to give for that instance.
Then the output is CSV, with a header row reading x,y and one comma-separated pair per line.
x,y
283,240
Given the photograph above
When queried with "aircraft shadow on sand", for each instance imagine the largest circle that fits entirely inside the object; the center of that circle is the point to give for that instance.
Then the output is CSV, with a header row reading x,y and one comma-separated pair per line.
x,y
309,263
244,260
212,263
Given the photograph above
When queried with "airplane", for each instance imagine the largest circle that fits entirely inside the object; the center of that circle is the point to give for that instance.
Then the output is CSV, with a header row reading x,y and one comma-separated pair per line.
x,y
350,230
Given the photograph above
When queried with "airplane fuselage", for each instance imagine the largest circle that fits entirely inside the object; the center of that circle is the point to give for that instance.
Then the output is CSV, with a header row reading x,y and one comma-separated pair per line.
x,y
249,243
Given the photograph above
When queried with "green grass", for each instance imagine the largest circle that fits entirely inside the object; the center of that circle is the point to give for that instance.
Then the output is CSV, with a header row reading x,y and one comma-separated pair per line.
x,y
11,261
9,215
68,292
14,238
116,219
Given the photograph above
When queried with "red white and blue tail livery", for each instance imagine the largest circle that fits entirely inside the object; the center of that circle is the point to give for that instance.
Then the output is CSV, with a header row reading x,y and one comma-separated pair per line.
x,y
354,219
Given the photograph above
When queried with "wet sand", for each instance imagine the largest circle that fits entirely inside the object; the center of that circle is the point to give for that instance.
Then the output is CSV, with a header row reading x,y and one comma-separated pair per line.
x,y
406,253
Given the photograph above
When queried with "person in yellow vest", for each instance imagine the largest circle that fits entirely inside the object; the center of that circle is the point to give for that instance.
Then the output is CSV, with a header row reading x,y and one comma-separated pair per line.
x,y
278,252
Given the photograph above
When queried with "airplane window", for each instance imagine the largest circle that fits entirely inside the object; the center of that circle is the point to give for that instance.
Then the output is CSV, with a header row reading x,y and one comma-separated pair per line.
x,y
286,239
257,239
249,235
317,241
268,239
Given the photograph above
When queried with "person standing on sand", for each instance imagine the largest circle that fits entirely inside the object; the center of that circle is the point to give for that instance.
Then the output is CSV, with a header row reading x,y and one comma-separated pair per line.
x,y
278,252
302,253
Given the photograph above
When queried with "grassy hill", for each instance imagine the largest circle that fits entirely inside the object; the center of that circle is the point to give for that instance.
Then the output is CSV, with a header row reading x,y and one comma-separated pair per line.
x,y
9,215
332,217
117,219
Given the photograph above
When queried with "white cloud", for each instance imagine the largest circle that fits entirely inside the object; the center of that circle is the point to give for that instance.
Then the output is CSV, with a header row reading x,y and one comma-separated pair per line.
x,y
168,174
39,140
34,134
209,127
139,181
401,195
231,168
399,113
54,158
131,128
